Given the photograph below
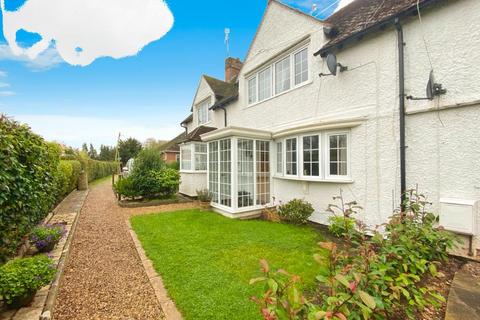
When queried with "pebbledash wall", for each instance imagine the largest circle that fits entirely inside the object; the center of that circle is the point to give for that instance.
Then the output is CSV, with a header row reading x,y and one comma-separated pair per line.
x,y
443,136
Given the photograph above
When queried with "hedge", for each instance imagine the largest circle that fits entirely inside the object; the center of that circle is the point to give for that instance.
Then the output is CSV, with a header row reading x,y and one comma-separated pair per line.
x,y
68,172
99,169
27,182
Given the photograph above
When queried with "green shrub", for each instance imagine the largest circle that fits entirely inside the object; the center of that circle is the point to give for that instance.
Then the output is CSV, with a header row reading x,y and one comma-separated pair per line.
x,y
126,188
28,167
296,211
148,160
150,178
24,276
45,237
366,278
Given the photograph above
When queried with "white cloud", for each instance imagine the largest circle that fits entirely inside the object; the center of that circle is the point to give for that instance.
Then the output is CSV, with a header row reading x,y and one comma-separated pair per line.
x,y
3,73
6,93
46,60
4,85
343,3
74,131
84,30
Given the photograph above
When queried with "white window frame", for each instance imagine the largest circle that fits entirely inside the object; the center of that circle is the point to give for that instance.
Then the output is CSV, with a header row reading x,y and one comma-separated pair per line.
x,y
272,66
324,158
254,94
204,104
329,176
191,147
279,157
285,157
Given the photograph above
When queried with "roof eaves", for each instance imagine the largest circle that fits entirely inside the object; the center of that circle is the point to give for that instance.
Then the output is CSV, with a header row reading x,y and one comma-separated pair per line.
x,y
380,25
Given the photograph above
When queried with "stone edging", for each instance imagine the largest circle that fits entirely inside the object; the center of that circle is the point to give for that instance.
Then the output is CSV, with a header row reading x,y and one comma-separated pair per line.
x,y
47,312
168,306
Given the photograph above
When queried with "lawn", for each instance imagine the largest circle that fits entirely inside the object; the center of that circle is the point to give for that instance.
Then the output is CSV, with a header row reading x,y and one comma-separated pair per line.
x,y
206,260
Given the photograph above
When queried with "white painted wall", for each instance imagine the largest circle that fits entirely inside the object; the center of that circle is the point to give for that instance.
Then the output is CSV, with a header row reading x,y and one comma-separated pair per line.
x,y
191,182
442,158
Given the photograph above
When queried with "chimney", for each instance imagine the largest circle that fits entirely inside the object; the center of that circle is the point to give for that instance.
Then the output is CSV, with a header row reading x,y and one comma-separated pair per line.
x,y
232,69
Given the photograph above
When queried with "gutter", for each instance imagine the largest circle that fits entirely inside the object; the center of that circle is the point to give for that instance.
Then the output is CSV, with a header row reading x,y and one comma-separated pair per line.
x,y
379,26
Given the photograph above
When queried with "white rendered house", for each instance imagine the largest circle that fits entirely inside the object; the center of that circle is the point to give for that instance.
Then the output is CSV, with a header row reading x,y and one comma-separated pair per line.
x,y
290,133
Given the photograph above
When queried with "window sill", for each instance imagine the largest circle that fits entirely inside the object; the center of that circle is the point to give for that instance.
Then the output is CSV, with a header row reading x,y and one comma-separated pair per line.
x,y
280,94
295,178
193,171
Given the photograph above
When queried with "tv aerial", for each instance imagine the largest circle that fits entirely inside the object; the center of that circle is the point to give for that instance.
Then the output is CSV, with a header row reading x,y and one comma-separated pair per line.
x,y
333,65
433,89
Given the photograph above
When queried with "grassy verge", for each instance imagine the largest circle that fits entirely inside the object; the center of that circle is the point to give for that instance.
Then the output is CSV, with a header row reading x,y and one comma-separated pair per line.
x,y
206,260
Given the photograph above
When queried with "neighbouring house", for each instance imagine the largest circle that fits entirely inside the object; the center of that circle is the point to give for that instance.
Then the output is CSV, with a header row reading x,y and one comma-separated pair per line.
x,y
323,106
171,150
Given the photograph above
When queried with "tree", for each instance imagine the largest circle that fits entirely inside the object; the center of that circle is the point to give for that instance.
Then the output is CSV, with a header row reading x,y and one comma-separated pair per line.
x,y
84,147
92,153
107,153
129,149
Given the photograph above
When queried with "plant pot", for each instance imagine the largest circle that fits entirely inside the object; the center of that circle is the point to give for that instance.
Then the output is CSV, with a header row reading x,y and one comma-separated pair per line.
x,y
22,301
48,248
204,205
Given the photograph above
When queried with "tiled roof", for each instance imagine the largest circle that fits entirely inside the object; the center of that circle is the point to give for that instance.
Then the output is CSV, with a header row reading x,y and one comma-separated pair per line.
x,y
363,15
187,119
172,145
220,88
196,133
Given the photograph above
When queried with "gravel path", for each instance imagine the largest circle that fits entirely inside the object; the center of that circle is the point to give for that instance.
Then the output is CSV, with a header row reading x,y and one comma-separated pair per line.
x,y
104,278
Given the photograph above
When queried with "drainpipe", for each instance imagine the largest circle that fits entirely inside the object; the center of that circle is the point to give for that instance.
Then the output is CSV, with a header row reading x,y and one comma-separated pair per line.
x,y
401,96
225,115
184,127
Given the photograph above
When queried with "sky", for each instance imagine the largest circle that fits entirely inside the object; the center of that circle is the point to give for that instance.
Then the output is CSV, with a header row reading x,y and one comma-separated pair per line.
x,y
118,67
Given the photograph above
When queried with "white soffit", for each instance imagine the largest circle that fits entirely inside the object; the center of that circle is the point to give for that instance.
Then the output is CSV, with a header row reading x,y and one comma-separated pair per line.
x,y
236,132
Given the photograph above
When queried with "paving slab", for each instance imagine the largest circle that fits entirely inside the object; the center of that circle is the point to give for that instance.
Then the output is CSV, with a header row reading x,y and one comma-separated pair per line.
x,y
464,297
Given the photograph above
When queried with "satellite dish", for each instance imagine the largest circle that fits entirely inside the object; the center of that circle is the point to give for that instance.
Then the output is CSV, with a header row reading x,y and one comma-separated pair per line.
x,y
332,63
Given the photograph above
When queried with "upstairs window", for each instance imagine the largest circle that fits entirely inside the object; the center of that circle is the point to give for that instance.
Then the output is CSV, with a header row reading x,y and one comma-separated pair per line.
x,y
252,90
301,66
202,112
280,76
265,84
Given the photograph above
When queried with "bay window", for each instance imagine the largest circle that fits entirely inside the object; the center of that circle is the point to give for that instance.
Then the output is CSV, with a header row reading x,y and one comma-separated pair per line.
x,y
186,157
311,162
321,156
279,158
193,157
291,156
337,155
280,76
239,173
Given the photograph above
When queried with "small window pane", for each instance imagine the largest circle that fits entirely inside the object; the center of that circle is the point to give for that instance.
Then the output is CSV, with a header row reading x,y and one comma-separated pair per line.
x,y
291,156
301,66
338,154
200,157
252,90
282,75
310,156
279,157
186,157
265,84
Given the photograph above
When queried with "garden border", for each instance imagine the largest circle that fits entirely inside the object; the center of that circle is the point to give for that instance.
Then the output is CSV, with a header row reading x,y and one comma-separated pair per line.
x,y
168,306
